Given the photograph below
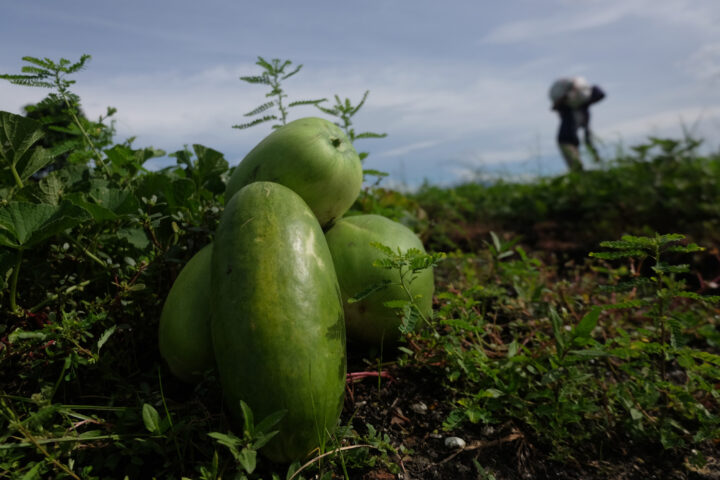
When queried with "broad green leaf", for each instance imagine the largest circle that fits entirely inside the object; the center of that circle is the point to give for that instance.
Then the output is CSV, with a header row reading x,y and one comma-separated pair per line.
x,y
24,224
34,472
587,324
248,459
211,164
151,418
248,419
269,422
106,204
20,334
126,161
557,327
18,134
50,189
227,439
135,237
29,164
174,191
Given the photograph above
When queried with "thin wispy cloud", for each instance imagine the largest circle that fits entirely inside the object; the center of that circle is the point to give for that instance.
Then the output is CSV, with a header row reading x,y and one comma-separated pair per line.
x,y
568,20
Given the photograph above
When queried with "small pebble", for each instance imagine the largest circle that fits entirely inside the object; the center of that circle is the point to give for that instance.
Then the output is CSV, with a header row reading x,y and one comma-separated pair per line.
x,y
419,407
454,442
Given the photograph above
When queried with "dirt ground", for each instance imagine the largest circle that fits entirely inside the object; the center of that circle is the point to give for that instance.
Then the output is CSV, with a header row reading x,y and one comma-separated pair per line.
x,y
407,405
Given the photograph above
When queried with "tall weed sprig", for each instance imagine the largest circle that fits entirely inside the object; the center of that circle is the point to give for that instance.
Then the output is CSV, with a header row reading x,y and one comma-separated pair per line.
x,y
46,73
658,291
274,73
344,111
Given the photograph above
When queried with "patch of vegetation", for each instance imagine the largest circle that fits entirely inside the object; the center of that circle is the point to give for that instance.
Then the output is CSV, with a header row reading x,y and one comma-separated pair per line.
x,y
538,362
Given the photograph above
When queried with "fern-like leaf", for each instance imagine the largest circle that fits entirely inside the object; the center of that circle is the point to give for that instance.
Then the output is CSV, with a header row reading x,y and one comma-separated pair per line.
x,y
261,79
618,254
257,121
288,75
306,102
371,135
260,109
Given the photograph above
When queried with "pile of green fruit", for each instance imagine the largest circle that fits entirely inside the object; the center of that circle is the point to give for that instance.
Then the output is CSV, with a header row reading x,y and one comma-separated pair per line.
x,y
266,303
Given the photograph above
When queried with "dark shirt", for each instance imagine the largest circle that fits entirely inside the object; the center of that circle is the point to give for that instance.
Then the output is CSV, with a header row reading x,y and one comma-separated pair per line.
x,y
573,118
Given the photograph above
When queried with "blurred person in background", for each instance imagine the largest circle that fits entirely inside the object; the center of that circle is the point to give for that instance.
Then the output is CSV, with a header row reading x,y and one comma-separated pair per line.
x,y
572,98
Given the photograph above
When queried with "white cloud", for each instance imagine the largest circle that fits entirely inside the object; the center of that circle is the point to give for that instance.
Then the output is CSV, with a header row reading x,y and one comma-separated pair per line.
x,y
667,122
405,149
574,17
704,64
568,20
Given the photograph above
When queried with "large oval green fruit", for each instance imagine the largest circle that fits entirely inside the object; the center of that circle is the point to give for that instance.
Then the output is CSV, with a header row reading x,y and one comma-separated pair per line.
x,y
277,319
311,156
369,320
184,330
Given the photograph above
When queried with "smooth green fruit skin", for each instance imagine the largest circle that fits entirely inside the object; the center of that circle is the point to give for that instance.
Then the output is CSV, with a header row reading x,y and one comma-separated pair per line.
x,y
277,326
368,320
311,156
184,330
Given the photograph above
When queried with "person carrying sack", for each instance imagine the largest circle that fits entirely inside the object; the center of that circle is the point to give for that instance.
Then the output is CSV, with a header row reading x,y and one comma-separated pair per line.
x,y
572,98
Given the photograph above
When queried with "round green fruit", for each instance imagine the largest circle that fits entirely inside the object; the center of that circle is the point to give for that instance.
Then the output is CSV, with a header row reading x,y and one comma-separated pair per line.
x,y
311,156
369,320
184,330
277,319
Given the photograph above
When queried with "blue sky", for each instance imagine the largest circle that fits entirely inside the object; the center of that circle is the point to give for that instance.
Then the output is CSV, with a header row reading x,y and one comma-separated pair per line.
x,y
460,87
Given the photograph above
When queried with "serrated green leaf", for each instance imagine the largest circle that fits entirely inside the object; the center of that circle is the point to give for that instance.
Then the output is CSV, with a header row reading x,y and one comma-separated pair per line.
x,y
24,224
50,189
265,106
105,336
257,121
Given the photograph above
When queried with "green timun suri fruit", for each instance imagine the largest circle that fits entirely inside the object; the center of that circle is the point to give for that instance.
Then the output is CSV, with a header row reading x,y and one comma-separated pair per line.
x,y
311,156
277,326
369,320
184,330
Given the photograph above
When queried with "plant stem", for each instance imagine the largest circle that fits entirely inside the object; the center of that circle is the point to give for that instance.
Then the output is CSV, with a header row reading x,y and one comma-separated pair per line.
x,y
87,252
54,296
14,421
71,111
14,282
16,176
167,413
